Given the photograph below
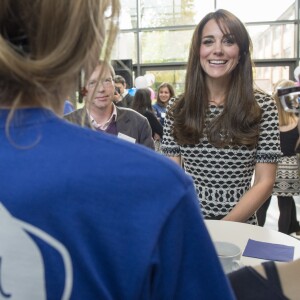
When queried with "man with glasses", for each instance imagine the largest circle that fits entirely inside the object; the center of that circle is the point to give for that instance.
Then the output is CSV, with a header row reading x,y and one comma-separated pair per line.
x,y
100,113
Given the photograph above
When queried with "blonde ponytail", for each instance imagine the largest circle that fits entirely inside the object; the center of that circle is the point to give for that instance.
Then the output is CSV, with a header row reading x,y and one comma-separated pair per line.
x,y
63,37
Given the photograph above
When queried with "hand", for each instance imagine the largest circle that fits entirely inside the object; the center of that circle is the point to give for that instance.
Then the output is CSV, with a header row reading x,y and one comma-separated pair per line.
x,y
117,97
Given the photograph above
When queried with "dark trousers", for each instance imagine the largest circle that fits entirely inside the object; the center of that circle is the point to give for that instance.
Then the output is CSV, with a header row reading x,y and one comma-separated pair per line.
x,y
287,222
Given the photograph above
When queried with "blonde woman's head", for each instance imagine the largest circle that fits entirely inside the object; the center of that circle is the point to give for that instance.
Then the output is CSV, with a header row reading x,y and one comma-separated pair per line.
x,y
285,118
44,45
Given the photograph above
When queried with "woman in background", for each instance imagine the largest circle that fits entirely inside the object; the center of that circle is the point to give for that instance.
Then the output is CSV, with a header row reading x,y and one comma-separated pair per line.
x,y
269,280
164,93
142,104
287,182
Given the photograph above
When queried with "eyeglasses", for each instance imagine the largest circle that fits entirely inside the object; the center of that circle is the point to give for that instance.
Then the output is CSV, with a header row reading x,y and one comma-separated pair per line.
x,y
103,82
290,98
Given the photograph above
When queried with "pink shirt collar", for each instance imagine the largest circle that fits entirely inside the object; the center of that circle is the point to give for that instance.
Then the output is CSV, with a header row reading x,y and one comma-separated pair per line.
x,y
105,125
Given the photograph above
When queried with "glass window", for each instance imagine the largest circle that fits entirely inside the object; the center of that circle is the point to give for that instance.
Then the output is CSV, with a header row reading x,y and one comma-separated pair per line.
x,y
128,17
273,41
260,10
266,77
125,47
158,13
165,46
171,44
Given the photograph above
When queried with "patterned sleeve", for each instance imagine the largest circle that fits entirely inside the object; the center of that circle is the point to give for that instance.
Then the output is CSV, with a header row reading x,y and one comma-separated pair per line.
x,y
169,147
268,150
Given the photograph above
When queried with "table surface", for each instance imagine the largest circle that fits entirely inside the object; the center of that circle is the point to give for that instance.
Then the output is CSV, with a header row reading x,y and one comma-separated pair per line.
x,y
240,233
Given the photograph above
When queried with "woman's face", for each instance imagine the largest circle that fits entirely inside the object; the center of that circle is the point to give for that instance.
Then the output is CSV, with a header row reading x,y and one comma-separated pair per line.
x,y
164,94
219,53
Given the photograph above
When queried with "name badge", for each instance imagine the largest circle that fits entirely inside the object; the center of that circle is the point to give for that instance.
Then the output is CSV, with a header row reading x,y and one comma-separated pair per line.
x,y
126,137
163,115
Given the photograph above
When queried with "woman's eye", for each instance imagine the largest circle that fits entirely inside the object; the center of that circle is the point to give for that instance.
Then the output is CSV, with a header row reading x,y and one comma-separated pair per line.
x,y
229,40
207,42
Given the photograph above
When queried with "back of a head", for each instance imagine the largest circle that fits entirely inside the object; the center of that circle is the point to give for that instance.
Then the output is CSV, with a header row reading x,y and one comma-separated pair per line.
x,y
45,44
142,100
283,83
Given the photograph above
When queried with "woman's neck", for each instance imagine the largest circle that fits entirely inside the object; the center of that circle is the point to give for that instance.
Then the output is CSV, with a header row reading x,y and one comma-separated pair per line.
x,y
217,92
217,98
293,121
162,104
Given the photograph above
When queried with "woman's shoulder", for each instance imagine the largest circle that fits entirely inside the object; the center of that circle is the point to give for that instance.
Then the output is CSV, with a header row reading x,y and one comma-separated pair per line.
x,y
172,102
264,99
149,113
262,96
293,126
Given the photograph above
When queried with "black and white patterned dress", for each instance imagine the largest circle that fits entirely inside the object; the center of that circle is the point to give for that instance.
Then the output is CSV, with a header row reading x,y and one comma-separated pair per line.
x,y
287,181
223,175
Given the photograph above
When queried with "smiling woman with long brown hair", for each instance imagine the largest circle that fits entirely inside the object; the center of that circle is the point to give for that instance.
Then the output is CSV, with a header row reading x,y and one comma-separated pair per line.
x,y
221,128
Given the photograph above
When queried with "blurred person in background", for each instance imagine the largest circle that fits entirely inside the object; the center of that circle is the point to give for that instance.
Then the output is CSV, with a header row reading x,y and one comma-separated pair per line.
x,y
122,96
269,280
287,182
142,104
164,93
68,106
